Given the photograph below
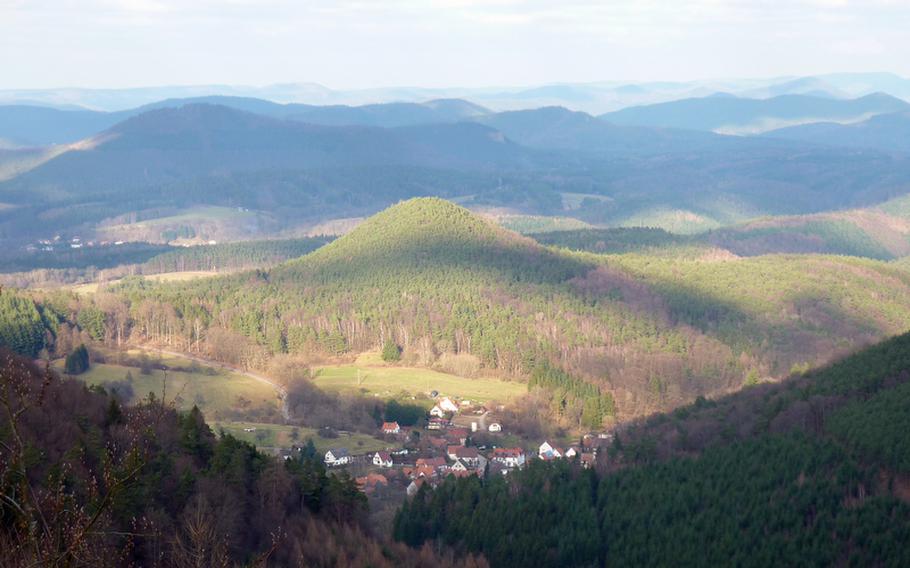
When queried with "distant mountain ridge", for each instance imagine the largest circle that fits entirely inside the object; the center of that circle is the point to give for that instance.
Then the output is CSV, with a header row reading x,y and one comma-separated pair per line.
x,y
522,162
23,125
888,132
592,97
733,115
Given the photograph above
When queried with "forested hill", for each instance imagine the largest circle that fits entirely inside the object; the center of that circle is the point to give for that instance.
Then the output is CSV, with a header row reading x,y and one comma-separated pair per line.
x,y
648,332
431,234
817,467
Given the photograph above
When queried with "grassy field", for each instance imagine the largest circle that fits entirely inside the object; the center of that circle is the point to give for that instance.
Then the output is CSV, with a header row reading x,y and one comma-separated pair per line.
x,y
368,376
215,391
212,391
282,436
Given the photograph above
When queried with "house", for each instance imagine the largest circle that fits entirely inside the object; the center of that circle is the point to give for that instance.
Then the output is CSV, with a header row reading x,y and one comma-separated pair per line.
x,y
438,443
509,457
587,460
436,462
337,456
457,435
469,456
447,405
391,428
572,452
437,412
437,423
495,427
371,482
548,451
382,459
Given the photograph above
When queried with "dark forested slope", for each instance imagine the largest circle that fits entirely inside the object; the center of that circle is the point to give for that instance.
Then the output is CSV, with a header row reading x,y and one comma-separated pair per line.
x,y
811,472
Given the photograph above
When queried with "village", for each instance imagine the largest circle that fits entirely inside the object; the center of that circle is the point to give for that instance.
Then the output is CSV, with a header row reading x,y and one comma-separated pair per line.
x,y
460,438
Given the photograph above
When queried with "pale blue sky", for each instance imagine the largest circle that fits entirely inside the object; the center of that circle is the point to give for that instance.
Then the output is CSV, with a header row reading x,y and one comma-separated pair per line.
x,y
351,44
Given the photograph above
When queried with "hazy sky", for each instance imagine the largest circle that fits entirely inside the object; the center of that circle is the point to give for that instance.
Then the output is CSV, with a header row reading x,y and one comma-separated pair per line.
x,y
348,43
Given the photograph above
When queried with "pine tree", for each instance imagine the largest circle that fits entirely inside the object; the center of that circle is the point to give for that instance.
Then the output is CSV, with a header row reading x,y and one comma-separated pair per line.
x,y
391,352
77,362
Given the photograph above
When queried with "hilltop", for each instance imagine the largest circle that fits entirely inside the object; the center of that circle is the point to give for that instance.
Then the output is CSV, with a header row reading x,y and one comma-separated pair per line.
x,y
424,234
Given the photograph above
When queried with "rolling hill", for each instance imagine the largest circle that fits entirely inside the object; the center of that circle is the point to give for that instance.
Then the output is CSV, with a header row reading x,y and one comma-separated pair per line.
x,y
212,155
734,115
563,129
30,126
880,232
293,175
887,132
647,332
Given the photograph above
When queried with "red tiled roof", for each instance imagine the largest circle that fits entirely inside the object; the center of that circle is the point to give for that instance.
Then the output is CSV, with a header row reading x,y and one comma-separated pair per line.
x,y
507,452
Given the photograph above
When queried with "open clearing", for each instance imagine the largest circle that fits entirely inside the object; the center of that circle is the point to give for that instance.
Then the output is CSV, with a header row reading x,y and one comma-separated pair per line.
x,y
212,390
368,376
217,391
281,436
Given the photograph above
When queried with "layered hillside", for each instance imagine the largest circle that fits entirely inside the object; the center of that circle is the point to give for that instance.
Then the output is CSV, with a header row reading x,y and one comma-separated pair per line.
x,y
293,174
888,132
880,232
650,332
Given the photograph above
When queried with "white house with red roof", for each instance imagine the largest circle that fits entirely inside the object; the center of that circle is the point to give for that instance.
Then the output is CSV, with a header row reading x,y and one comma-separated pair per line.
x,y
548,451
382,459
509,457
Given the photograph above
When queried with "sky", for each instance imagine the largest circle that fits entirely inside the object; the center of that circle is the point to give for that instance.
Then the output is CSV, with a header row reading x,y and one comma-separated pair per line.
x,y
347,44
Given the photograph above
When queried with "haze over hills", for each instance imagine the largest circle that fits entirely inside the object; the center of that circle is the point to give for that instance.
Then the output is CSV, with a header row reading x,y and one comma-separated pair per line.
x,y
888,132
734,115
23,125
880,232
594,97
202,155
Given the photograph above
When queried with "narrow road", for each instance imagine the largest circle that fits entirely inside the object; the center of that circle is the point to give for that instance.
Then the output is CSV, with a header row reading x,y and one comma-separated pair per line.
x,y
282,392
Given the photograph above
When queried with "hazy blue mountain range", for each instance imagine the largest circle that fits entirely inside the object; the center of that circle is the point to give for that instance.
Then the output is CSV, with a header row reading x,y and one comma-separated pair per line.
x,y
595,98
29,125
888,132
548,161
734,115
